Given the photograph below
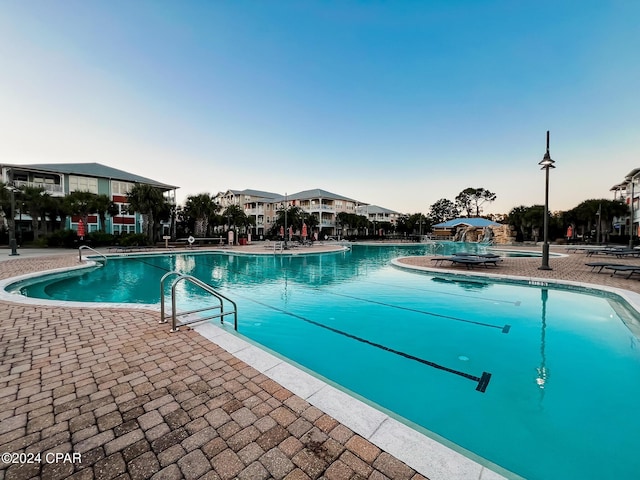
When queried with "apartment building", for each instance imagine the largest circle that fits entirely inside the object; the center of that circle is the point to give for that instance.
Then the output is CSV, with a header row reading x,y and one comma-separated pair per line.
x,y
377,214
257,204
264,206
60,179
323,205
629,192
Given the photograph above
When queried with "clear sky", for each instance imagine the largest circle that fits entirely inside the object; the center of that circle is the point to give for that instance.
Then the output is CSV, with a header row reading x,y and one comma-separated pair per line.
x,y
394,103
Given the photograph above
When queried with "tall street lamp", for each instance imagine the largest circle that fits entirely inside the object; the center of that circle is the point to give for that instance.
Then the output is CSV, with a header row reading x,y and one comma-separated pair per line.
x,y
12,226
546,164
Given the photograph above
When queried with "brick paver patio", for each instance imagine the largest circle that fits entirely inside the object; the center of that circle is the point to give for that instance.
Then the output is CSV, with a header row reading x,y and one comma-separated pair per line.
x,y
138,402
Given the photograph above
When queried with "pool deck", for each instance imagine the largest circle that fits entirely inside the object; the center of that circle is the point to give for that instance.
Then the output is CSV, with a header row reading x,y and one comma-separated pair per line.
x,y
139,402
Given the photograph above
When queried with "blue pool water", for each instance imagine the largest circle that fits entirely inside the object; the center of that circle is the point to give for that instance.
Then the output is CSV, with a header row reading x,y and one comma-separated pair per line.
x,y
563,384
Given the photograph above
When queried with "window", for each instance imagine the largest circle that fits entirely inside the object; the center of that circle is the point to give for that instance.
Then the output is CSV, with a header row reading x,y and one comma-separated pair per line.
x,y
120,188
83,184
123,229
123,209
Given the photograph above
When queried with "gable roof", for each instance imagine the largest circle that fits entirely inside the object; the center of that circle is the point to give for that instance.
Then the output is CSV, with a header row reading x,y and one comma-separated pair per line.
x,y
469,222
316,193
374,209
94,170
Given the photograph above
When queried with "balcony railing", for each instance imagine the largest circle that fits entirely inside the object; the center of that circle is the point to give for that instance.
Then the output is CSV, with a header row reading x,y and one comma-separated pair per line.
x,y
317,208
48,187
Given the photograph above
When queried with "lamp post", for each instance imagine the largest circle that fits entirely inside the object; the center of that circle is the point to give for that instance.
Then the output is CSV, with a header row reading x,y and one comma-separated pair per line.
x,y
598,214
12,226
546,164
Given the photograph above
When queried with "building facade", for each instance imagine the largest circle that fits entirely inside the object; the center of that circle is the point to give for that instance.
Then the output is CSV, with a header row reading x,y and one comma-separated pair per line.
x,y
61,179
263,207
379,215
629,192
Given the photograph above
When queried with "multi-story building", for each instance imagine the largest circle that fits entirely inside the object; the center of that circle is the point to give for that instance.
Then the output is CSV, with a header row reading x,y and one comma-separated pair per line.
x,y
323,205
629,192
256,204
60,179
264,206
378,215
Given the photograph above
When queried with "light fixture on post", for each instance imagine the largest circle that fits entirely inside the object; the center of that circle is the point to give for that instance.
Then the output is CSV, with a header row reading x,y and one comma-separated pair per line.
x,y
546,164
13,244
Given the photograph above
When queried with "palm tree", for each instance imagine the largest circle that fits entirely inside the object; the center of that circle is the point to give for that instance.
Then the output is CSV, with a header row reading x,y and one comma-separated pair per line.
x,y
104,206
149,202
199,210
81,204
57,207
235,216
5,205
34,200
590,212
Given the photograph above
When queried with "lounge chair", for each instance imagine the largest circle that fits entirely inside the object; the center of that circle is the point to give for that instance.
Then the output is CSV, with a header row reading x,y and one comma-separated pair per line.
x,y
468,260
601,265
624,268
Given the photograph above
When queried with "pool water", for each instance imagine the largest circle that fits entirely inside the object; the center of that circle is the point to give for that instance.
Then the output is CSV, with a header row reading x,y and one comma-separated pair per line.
x,y
543,382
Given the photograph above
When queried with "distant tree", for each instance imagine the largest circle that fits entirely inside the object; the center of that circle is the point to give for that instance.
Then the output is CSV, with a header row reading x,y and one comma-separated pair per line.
x,y
81,203
472,199
103,206
443,210
586,215
149,202
199,211
34,200
235,216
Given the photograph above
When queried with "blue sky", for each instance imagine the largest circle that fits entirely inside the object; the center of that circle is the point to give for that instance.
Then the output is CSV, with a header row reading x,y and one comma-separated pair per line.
x,y
397,104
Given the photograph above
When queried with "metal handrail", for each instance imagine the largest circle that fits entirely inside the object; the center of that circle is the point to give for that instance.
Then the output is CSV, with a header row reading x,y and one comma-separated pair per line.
x,y
163,319
204,286
82,247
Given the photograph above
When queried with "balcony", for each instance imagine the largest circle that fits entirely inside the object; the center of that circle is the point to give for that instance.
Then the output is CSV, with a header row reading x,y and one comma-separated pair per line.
x,y
51,188
320,208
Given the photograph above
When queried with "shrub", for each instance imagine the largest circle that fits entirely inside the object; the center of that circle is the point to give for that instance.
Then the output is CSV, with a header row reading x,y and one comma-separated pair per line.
x,y
63,238
133,240
99,239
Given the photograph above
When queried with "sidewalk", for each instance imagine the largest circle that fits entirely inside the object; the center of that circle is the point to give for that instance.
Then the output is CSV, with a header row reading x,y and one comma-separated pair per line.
x,y
137,402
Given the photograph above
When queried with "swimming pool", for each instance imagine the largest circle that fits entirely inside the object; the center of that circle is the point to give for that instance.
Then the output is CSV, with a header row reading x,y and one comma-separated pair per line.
x,y
403,339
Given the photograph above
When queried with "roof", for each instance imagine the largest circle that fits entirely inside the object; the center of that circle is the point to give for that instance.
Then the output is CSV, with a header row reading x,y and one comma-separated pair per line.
x,y
469,222
315,193
375,209
94,170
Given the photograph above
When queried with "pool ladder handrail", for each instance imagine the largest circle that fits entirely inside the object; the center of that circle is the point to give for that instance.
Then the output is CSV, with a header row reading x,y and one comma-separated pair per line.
x,y
204,286
82,247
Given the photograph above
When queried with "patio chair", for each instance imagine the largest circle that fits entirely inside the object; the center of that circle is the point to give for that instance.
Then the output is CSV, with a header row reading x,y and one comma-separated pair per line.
x,y
624,268
601,265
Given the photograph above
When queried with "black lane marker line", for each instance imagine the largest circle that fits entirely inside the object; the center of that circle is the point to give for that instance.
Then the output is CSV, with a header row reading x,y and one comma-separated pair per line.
x,y
504,329
483,381
165,269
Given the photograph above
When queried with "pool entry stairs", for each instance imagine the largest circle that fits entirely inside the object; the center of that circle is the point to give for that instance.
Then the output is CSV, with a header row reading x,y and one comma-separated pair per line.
x,y
178,319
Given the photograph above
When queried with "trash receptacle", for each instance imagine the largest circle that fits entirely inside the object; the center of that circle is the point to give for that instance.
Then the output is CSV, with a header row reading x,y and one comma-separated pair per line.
x,y
242,241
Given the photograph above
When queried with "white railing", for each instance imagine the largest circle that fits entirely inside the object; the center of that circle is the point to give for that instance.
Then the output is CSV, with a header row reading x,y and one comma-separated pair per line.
x,y
48,187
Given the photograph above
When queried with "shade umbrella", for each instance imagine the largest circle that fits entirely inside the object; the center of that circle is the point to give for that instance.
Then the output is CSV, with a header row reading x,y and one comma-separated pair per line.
x,y
290,232
81,231
304,230
570,232
281,231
